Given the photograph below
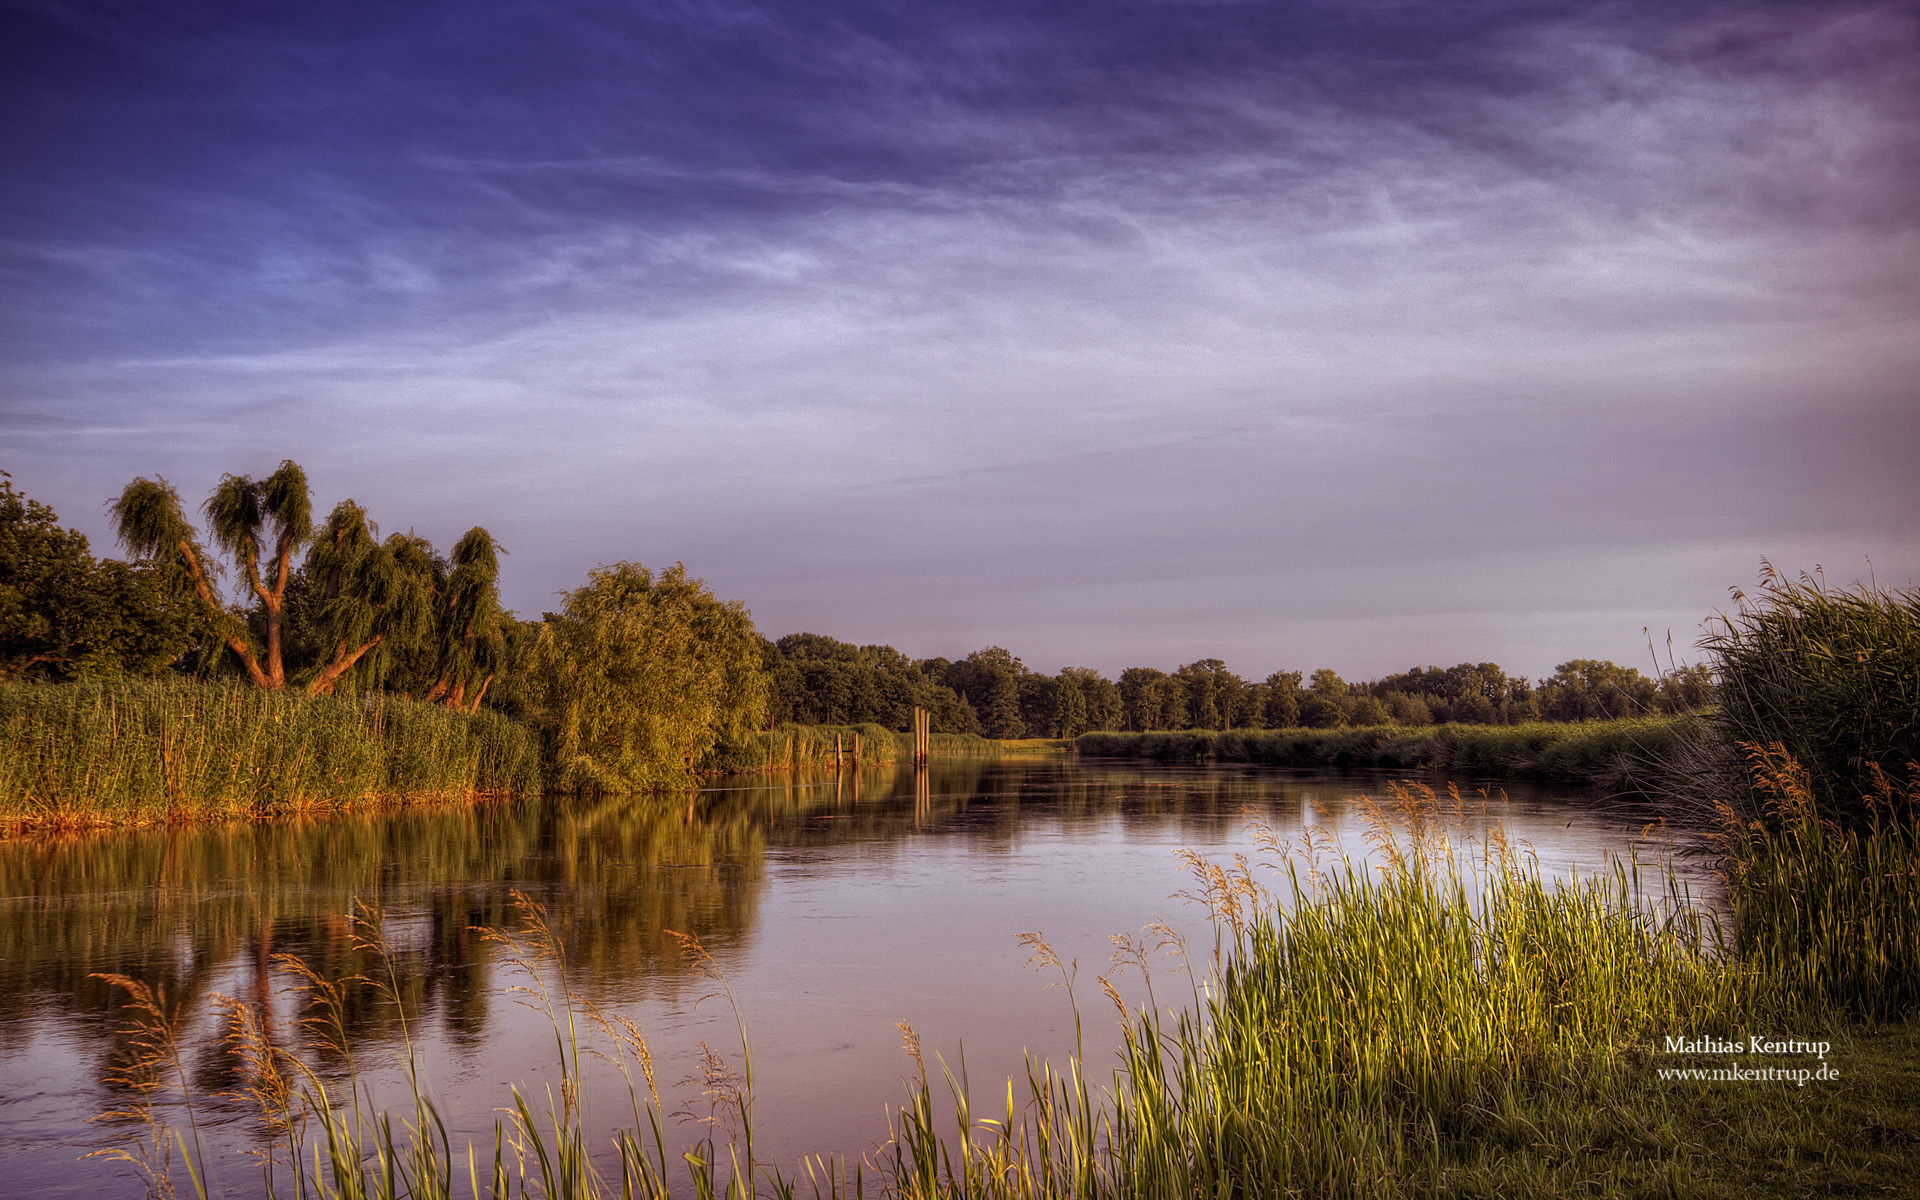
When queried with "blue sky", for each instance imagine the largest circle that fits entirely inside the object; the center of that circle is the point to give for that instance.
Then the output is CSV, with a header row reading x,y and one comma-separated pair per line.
x,y
1357,334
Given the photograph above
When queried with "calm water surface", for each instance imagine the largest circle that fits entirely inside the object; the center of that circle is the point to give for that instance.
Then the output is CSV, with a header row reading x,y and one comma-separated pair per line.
x,y
835,906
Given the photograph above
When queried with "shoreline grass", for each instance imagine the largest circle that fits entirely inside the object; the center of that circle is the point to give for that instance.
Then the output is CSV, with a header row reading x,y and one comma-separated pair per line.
x,y
138,752
1618,753
790,747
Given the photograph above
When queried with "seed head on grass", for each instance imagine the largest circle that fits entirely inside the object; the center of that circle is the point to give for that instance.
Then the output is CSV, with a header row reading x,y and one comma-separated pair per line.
x,y
266,1071
910,1042
153,1054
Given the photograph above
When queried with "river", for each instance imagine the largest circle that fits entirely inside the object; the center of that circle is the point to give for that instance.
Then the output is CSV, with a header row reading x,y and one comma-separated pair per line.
x,y
831,906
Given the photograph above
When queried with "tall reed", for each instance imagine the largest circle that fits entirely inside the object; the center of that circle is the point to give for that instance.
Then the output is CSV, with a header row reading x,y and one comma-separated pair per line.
x,y
1827,915
1356,1035
1830,674
136,751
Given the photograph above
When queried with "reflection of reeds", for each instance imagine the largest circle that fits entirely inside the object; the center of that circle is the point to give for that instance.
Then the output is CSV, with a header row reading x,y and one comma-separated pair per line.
x,y
131,751
324,1136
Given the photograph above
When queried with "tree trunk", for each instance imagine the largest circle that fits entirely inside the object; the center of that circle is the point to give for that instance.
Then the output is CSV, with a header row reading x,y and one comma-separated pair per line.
x,y
255,675
342,662
481,694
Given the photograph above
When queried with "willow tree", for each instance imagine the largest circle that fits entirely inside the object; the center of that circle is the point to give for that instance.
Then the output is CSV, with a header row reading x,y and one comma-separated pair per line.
x,y
472,644
641,675
372,593
249,519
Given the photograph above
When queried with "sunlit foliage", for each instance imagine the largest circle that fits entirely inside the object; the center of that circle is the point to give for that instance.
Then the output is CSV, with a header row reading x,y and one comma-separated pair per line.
x,y
640,675
65,614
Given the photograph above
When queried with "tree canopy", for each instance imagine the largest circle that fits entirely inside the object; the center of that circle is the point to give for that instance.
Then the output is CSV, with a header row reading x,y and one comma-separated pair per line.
x,y
640,675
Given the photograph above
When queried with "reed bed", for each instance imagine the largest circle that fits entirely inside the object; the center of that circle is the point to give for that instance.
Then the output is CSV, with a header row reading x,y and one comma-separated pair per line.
x,y
1827,914
1830,674
131,752
1363,1033
1609,753
793,746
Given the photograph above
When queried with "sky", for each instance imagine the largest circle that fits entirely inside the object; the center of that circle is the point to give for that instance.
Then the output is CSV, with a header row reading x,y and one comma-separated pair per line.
x,y
1362,334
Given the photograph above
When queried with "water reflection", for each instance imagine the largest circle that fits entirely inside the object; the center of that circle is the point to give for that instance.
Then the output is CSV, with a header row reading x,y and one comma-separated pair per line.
x,y
837,903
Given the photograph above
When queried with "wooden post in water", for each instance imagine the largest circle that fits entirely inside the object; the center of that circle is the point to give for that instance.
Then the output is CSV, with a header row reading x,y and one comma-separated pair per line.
x,y
856,749
922,735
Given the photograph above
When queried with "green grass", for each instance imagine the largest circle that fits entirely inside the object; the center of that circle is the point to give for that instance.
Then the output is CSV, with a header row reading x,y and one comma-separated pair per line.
x,y
132,752
1432,1030
1611,753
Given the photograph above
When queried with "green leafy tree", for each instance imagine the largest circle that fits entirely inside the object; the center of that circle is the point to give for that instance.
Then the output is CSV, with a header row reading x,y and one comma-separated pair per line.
x,y
1587,689
371,595
1099,699
1407,709
248,519
820,680
1152,699
64,613
1367,710
1319,711
1216,697
1280,703
472,642
640,676
1686,688
989,680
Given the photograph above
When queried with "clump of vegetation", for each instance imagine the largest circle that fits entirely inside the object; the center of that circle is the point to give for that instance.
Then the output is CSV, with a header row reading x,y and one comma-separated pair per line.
x,y
639,677
66,615
135,751
1828,915
1832,675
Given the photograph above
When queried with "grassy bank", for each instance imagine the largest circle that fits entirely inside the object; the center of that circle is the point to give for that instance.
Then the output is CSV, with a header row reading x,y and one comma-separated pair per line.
x,y
132,752
1450,1028
1610,753
791,746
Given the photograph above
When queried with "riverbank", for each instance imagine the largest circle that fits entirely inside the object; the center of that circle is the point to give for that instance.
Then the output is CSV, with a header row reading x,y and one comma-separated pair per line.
x,y
130,752
1437,1027
135,752
790,747
1615,754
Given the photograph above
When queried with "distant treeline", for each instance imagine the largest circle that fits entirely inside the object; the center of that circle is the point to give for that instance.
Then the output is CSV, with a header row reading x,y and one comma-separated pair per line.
x,y
818,680
1620,754
642,677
